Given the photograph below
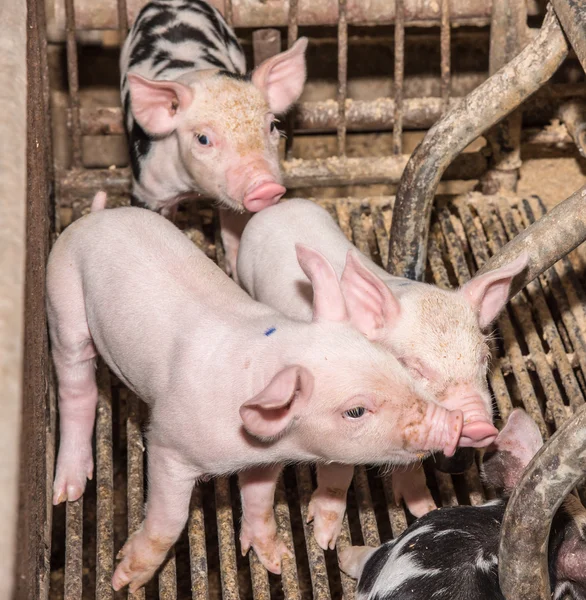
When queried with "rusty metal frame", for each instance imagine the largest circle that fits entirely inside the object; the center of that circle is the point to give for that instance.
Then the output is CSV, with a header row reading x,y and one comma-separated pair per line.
x,y
523,567
482,108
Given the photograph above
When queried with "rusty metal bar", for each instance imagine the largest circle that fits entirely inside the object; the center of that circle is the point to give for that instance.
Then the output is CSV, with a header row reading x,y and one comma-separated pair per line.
x,y
265,43
445,54
122,20
228,10
546,241
483,107
226,544
342,76
105,487
508,34
572,16
315,555
198,559
555,470
362,115
135,471
73,80
573,115
73,550
398,76
292,34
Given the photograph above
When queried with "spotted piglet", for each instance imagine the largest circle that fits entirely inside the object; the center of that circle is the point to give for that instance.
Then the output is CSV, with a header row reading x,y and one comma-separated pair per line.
x,y
196,122
452,553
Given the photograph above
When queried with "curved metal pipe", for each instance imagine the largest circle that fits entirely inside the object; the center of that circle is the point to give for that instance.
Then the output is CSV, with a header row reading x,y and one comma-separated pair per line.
x,y
546,241
480,110
554,471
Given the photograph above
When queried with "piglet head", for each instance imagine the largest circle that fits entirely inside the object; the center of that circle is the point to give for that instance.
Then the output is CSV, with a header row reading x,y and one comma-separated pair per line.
x,y
361,405
438,335
225,125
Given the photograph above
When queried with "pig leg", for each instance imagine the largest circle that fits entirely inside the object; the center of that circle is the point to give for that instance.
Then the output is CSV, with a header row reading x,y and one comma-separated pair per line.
x,y
259,528
171,482
410,485
328,503
352,559
74,356
231,227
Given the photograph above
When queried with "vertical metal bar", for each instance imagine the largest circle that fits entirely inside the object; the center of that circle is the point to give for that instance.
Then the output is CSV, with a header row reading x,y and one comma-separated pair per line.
x,y
292,33
399,72
73,550
122,21
342,75
445,55
168,578
198,559
135,467
105,485
226,543
73,80
228,12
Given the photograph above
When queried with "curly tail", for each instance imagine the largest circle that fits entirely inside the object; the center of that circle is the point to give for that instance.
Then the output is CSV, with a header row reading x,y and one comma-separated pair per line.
x,y
99,201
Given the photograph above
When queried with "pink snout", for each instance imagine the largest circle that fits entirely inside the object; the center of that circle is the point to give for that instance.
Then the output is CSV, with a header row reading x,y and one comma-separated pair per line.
x,y
266,194
455,420
478,434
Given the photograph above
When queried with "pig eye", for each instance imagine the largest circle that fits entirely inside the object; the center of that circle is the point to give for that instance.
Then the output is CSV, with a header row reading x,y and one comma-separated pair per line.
x,y
355,413
273,126
202,139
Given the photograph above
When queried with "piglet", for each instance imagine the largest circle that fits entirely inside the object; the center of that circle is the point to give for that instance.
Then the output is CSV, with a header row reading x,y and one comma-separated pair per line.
x,y
452,553
196,122
233,385
437,334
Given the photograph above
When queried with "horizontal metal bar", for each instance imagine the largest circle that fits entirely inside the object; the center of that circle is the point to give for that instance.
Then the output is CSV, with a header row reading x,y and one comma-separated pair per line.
x,y
572,16
91,15
361,115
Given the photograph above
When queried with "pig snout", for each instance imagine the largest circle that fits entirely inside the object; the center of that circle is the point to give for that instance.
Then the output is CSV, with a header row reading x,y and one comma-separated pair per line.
x,y
263,195
478,430
440,430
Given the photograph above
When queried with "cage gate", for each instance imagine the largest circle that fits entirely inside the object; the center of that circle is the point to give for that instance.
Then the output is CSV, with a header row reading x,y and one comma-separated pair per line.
x,y
69,552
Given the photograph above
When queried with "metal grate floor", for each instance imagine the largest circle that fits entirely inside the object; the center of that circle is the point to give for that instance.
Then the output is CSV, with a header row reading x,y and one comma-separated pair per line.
x,y
540,363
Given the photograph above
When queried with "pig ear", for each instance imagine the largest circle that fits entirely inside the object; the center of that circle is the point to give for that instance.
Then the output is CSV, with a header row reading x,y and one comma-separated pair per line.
x,y
328,301
370,303
513,449
488,293
157,104
269,413
281,77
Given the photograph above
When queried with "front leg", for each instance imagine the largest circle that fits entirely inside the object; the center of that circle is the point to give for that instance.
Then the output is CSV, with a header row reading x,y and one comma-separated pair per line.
x,y
259,528
328,503
232,225
409,484
170,485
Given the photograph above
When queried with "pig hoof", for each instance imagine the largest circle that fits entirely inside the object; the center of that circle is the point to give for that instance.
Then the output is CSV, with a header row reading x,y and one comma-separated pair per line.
x,y
327,515
141,557
270,550
70,479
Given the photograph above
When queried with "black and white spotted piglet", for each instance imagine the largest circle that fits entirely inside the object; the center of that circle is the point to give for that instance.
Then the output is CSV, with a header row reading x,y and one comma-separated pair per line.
x,y
452,553
196,122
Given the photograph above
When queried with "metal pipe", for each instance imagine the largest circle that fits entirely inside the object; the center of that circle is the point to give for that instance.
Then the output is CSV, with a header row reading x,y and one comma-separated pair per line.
x,y
572,16
399,105
573,116
292,34
508,35
548,240
554,471
482,108
73,81
342,76
265,43
361,115
445,55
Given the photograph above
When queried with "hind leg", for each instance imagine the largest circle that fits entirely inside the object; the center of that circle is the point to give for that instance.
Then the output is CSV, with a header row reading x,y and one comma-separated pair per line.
x,y
352,559
74,356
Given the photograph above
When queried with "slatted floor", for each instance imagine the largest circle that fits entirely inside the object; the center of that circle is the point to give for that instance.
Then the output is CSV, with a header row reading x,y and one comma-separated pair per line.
x,y
540,361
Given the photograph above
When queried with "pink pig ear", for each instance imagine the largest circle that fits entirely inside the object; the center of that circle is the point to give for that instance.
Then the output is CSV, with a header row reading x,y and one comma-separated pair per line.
x,y
328,302
281,78
370,303
269,413
512,450
488,293
156,104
